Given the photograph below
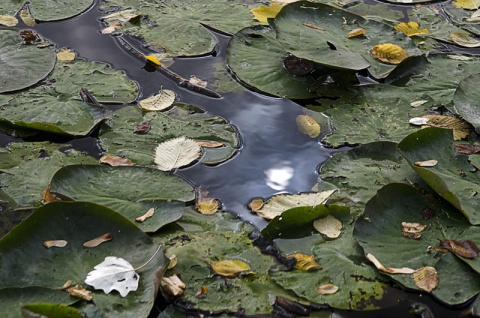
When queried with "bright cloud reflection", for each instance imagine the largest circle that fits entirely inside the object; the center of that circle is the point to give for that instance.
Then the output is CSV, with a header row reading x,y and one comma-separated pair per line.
x,y
279,175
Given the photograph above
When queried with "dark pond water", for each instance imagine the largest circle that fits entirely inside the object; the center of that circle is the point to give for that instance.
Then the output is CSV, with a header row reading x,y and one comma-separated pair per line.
x,y
273,158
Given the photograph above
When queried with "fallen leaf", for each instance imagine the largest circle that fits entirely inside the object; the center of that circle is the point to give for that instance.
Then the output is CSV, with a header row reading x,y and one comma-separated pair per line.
x,y
55,243
426,278
229,268
461,128
98,240
210,144
304,262
389,53
327,289
256,204
390,270
153,59
464,39
263,13
111,29
80,292
147,215
313,26
197,81
67,284
65,54
356,33
27,17
418,121
121,16
173,286
207,206
426,163
412,230
8,20
463,248
115,161
329,226
47,195
160,101
143,128
410,28
202,292
466,149
173,261
474,18
467,4
176,153
418,103
308,126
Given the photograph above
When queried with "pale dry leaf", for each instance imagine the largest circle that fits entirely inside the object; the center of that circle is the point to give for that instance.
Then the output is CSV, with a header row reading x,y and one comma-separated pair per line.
x,y
412,230
410,28
210,144
160,101
356,33
207,206
67,284
80,292
48,196
304,262
194,80
426,278
464,39
27,17
256,204
98,240
55,243
173,286
65,54
176,153
8,20
110,29
115,161
146,216
327,289
461,128
418,103
229,267
308,126
418,121
475,17
390,270
173,261
426,163
329,226
121,16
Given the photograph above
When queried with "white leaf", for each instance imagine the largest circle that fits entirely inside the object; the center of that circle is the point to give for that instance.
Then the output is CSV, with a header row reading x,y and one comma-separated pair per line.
x,y
114,273
160,101
177,152
418,121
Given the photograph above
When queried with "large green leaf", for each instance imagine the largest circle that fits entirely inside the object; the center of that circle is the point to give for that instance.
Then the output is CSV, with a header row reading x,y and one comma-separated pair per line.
x,y
256,57
50,10
182,120
379,232
467,100
22,66
10,7
326,43
26,262
453,177
131,191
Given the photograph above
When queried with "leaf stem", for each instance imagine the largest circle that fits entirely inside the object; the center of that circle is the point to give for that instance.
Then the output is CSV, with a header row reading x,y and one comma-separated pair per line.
x,y
151,258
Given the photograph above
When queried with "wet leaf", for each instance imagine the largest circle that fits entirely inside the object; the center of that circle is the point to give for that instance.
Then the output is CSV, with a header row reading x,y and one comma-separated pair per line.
x,y
426,278
115,161
426,163
207,205
263,13
65,54
176,153
304,262
389,53
328,226
173,286
229,268
147,215
464,39
327,289
308,126
390,270
410,28
202,292
256,204
412,229
143,128
55,243
49,310
8,20
160,101
80,292
466,101
98,240
463,248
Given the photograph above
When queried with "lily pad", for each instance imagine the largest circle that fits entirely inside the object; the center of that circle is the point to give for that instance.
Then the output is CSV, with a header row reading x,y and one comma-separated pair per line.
x,y
131,191
50,310
453,177
51,10
379,232
118,137
466,101
22,66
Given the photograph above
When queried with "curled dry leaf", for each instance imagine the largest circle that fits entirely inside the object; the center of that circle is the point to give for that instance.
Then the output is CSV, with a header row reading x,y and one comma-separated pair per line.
x,y
390,270
210,144
426,163
327,289
115,161
356,33
463,248
160,101
305,262
202,292
67,284
80,292
47,195
464,39
98,240
229,268
418,103
111,29
197,81
389,53
173,286
329,226
143,128
55,243
256,204
8,20
313,26
308,126
27,17
474,18
410,28
426,278
65,54
147,215
466,149
412,230
461,128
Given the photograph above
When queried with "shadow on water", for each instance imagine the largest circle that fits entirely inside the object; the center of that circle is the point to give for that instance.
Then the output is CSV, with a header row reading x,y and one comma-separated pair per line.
x,y
273,158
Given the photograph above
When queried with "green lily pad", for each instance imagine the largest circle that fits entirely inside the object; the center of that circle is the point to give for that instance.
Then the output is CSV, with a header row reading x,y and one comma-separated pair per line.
x,y
476,307
131,191
118,137
22,66
256,57
317,32
452,177
466,101
50,310
26,262
379,232
51,10
10,7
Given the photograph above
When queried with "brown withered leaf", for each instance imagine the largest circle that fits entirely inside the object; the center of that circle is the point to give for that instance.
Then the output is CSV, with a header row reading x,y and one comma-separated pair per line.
x,y
389,53
390,270
461,128
55,243
115,161
327,289
80,292
173,285
202,292
426,163
210,144
256,204
229,267
356,33
143,128
98,240
426,278
147,215
47,195
466,149
412,230
29,37
305,262
313,26
463,248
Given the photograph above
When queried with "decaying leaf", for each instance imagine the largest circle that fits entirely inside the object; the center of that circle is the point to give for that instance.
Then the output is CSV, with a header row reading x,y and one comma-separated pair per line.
x,y
389,53
464,39
160,101
356,33
173,286
27,17
115,161
176,153
313,26
206,205
329,226
297,66
390,270
410,28
412,230
426,278
80,292
263,13
474,18
308,126
202,292
147,215
47,195
8,20
67,284
65,54
194,80
463,248
426,163
467,149
111,29
467,4
418,121
461,128
327,289
256,204
173,261
143,128
229,268
210,144
55,243
305,262
153,59
98,240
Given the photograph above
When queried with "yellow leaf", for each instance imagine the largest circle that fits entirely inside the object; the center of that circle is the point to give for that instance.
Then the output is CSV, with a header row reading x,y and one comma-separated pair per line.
x,y
327,289
464,39
47,195
8,20
229,268
308,126
389,53
98,240
467,4
27,17
256,204
461,128
410,28
356,32
153,59
202,292
65,54
160,101
207,205
305,262
263,13
426,278
328,226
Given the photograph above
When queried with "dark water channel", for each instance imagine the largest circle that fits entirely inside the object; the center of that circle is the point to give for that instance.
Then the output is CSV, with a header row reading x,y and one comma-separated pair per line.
x,y
274,157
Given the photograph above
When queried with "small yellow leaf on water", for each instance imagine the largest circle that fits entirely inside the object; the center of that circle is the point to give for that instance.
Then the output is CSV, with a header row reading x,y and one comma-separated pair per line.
x,y
98,240
65,54
308,126
80,292
115,161
426,163
464,39
8,20
328,226
305,262
356,32
153,59
27,17
263,13
426,278
55,243
207,205
467,4
327,289
229,268
147,215
389,53
410,28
